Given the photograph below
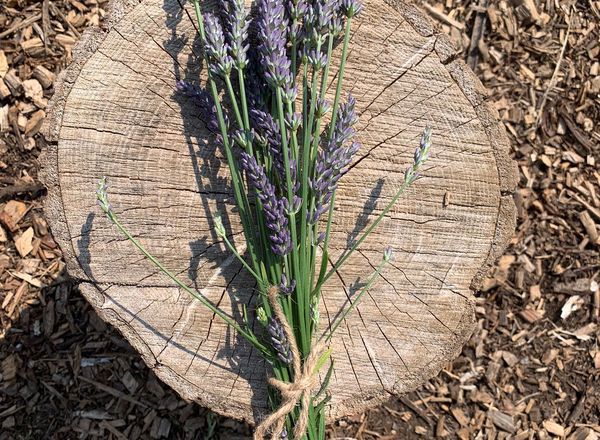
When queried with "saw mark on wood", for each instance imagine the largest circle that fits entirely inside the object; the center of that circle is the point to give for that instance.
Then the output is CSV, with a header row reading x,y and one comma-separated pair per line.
x,y
215,352
135,315
376,303
168,342
393,104
409,125
114,60
384,278
447,286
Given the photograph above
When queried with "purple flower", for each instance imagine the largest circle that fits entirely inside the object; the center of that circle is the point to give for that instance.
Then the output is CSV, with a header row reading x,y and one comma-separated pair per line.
x,y
102,196
420,157
345,120
319,19
296,9
422,151
351,8
203,100
275,209
272,32
322,108
237,33
280,341
333,159
320,237
285,287
317,60
293,121
290,91
269,134
220,63
387,253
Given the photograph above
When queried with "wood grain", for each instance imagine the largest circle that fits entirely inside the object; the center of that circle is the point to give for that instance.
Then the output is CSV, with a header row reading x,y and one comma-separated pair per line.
x,y
116,113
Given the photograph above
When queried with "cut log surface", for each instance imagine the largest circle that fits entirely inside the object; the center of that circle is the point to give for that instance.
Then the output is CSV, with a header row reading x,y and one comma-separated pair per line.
x,y
117,113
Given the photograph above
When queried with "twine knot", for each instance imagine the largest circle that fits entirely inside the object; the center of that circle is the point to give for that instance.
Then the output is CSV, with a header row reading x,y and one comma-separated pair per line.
x,y
305,380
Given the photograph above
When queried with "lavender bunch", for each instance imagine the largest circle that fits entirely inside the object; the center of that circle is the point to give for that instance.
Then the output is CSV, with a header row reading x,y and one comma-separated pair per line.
x,y
285,172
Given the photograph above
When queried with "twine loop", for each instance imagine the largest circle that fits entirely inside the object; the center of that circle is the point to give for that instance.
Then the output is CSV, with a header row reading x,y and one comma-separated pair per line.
x,y
305,380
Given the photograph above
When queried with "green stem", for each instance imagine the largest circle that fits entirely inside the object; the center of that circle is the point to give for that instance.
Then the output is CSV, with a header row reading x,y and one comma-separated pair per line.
x,y
239,257
239,195
305,341
336,102
248,335
354,303
313,154
363,236
244,101
338,89
234,104
305,174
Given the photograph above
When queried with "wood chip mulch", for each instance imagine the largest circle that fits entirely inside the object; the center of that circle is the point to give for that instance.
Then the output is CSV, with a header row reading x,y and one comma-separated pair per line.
x,y
530,371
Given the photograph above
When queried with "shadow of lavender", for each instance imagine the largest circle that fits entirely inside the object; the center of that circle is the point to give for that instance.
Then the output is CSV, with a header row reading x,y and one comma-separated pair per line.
x,y
203,146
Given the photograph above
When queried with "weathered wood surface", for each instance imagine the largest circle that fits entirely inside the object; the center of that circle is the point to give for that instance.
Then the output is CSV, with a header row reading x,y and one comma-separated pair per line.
x,y
116,113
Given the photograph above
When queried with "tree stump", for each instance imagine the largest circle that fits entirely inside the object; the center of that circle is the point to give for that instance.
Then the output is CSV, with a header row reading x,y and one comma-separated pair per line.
x,y
116,112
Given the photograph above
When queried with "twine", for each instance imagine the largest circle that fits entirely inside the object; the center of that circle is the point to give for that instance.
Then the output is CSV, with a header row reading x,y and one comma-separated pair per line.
x,y
305,380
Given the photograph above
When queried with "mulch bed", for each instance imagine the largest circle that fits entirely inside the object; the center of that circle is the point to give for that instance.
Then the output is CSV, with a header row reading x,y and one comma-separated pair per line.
x,y
532,368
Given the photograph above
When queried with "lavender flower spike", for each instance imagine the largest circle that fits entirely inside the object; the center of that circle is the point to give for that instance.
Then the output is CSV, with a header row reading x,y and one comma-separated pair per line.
x,y
334,158
352,8
269,135
388,253
285,287
320,18
344,124
295,10
280,342
274,208
421,155
219,60
237,33
102,196
272,29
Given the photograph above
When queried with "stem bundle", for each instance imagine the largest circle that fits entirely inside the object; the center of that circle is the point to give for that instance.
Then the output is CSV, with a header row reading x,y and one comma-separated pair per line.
x,y
284,172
